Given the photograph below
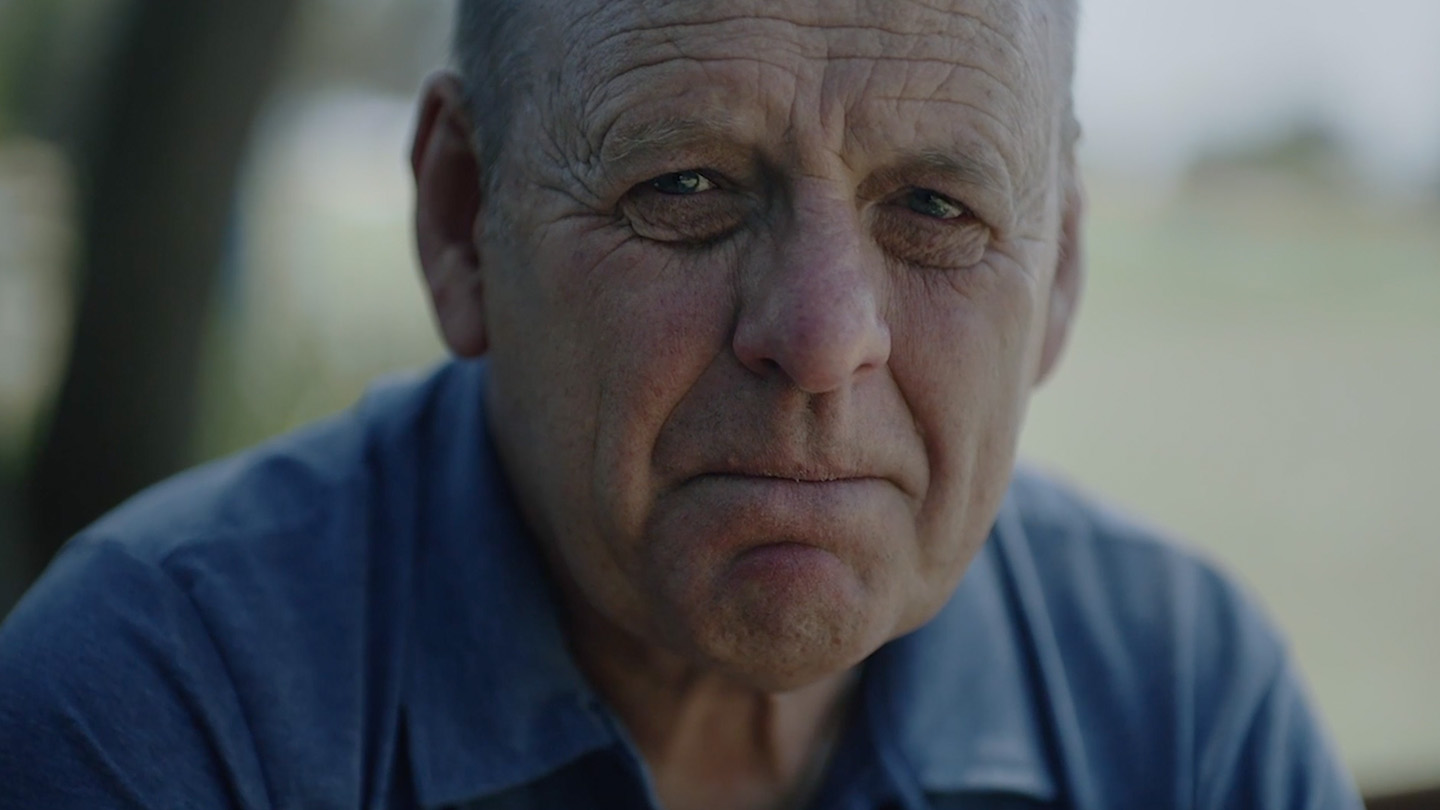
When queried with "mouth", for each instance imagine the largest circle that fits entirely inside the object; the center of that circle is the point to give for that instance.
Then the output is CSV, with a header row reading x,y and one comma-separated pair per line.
x,y
791,476
793,500
788,519
786,472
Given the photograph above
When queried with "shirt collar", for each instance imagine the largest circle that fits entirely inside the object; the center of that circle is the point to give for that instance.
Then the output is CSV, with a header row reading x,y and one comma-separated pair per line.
x,y
958,698
494,700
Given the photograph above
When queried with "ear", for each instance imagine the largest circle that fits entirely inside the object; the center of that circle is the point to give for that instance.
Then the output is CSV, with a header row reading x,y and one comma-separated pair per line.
x,y
1069,278
449,214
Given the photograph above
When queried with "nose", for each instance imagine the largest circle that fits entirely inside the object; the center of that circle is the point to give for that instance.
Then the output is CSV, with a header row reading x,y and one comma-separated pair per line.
x,y
813,312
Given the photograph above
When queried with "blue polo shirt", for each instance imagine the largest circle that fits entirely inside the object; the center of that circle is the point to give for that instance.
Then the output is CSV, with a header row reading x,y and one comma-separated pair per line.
x,y
354,617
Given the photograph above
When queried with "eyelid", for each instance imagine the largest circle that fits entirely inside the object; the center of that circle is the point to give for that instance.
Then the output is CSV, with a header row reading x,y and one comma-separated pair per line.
x,y
694,219
726,172
965,210
987,204
703,174
906,194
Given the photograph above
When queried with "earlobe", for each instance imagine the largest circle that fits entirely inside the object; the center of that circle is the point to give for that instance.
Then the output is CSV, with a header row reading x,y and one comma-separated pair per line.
x,y
1069,280
449,214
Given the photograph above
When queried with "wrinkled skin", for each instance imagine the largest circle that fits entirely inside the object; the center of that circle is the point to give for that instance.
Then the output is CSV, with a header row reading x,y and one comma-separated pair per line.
x,y
765,288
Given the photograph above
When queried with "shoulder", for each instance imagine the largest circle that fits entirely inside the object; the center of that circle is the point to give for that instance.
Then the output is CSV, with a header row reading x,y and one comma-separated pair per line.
x,y
1177,685
249,539
1129,607
106,670
302,512
230,617
1107,575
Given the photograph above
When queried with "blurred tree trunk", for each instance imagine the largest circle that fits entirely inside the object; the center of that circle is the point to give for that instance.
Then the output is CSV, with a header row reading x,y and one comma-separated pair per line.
x,y
158,167
12,569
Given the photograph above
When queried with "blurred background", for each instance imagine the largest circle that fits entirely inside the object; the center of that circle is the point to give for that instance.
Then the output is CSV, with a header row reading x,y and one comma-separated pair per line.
x,y
204,240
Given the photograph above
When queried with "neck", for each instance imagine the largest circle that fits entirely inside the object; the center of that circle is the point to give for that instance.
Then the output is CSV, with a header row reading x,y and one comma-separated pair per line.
x,y
708,740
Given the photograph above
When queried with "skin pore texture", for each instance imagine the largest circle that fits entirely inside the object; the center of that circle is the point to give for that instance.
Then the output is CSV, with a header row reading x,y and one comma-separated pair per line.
x,y
765,288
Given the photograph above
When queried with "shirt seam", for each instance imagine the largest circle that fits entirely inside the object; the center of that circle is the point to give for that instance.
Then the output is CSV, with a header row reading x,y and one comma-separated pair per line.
x,y
158,565
1209,770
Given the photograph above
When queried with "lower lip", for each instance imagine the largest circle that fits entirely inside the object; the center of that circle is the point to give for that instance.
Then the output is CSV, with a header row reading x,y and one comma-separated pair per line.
x,y
773,525
784,564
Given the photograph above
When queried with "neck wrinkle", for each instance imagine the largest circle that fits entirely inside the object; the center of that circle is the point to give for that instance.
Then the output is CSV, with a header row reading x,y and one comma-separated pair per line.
x,y
703,735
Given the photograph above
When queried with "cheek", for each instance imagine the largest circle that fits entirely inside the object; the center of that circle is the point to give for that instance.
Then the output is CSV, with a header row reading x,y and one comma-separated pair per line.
x,y
654,322
961,347
601,339
961,359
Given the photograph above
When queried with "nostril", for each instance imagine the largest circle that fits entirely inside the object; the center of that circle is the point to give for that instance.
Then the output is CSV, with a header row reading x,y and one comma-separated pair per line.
x,y
760,364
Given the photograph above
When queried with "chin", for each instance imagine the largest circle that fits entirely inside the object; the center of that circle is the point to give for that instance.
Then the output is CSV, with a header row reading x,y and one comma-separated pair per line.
x,y
792,660
784,619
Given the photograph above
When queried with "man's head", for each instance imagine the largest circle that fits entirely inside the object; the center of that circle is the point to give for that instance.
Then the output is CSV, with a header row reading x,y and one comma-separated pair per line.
x,y
765,287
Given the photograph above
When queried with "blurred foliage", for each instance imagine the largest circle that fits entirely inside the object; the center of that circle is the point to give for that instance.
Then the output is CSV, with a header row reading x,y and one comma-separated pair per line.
x,y
19,22
1308,156
50,52
335,44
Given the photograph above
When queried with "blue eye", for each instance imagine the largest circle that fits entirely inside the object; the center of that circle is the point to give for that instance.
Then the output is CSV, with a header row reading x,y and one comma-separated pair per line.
x,y
936,206
681,183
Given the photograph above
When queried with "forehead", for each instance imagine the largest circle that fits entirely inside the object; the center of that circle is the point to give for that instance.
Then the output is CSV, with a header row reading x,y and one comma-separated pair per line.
x,y
847,76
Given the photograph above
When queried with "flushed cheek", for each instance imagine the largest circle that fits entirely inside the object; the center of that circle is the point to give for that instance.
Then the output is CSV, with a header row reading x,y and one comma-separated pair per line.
x,y
959,357
660,322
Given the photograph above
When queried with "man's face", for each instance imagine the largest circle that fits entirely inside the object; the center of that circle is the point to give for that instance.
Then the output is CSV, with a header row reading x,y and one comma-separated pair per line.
x,y
766,287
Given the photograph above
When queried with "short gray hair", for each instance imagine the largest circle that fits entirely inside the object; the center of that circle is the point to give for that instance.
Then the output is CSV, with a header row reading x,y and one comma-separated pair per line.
x,y
492,50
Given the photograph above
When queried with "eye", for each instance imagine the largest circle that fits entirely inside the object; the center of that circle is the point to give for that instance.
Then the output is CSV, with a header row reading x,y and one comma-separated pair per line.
x,y
936,206
682,183
692,207
927,229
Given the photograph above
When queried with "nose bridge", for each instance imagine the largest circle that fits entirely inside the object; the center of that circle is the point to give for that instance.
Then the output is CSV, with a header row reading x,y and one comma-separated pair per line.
x,y
812,310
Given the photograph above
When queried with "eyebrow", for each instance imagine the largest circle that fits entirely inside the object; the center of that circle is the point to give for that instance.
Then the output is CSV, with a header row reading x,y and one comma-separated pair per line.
x,y
622,145
968,167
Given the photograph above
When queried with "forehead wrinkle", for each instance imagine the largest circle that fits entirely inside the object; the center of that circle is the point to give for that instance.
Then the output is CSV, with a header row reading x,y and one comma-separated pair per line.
x,y
933,97
875,42
597,77
882,17
947,118
621,44
612,142
651,25
609,135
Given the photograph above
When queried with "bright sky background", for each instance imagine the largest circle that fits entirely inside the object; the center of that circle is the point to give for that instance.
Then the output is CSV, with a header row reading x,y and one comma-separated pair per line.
x,y
1159,79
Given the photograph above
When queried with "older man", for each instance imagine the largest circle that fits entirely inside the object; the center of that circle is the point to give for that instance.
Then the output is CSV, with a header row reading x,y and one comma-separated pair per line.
x,y
720,520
